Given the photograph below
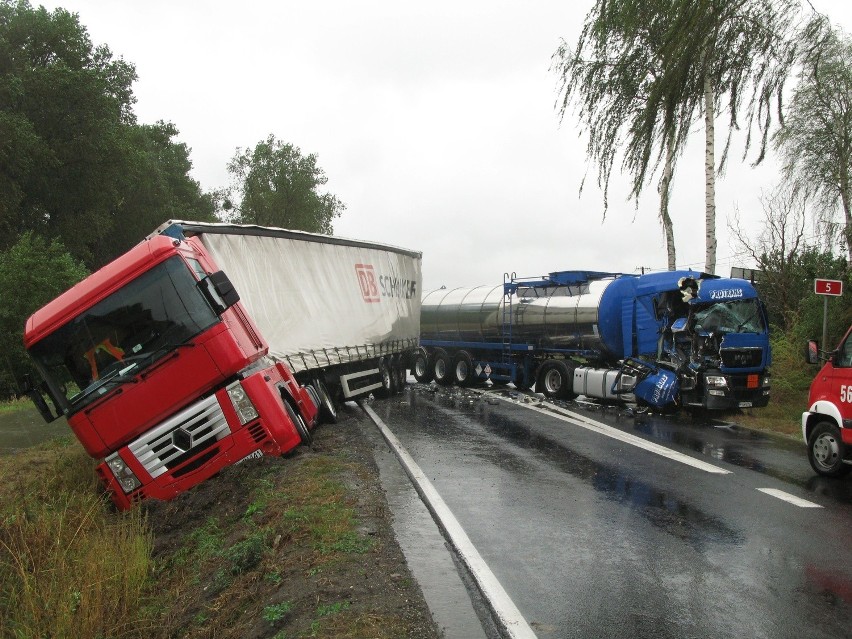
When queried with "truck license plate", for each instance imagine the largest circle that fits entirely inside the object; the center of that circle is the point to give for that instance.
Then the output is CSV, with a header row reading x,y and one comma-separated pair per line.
x,y
745,404
255,455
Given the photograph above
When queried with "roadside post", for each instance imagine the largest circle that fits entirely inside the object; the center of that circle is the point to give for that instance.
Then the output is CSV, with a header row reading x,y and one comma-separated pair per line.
x,y
827,288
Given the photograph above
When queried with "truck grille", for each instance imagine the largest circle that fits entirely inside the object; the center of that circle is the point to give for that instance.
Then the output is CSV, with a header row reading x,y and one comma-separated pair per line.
x,y
181,437
742,357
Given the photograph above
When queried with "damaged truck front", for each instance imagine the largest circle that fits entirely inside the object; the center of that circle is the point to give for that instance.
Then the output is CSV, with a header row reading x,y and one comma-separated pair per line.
x,y
672,339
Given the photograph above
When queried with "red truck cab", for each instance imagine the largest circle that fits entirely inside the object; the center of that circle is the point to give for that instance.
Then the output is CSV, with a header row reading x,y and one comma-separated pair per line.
x,y
161,373
827,424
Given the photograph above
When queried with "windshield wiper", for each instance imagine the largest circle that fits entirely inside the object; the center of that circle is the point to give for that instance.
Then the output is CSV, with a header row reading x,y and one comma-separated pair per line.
x,y
117,377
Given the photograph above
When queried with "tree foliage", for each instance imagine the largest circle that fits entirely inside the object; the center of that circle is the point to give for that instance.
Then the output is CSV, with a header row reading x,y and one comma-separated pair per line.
x,y
64,106
277,186
155,186
787,258
642,70
74,165
32,272
80,180
816,141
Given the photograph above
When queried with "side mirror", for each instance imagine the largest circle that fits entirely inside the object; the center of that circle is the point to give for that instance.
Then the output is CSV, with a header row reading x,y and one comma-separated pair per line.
x,y
219,291
41,405
812,352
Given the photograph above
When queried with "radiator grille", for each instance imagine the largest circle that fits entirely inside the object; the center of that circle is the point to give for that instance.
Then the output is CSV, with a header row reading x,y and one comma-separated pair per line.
x,y
181,437
742,357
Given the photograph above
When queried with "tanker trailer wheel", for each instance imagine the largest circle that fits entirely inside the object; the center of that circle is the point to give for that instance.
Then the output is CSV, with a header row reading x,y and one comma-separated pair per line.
x,y
299,423
825,451
328,411
555,380
388,384
442,367
463,374
422,368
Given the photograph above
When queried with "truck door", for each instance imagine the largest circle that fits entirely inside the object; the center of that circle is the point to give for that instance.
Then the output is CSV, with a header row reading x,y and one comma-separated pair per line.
x,y
839,381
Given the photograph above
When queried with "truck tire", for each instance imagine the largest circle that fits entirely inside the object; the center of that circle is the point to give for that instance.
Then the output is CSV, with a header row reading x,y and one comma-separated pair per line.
x,y
555,380
400,373
387,380
826,450
328,411
299,423
422,367
442,367
463,374
519,380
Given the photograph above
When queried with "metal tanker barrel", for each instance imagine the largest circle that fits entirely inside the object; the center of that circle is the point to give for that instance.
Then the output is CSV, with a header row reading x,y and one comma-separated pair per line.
x,y
567,317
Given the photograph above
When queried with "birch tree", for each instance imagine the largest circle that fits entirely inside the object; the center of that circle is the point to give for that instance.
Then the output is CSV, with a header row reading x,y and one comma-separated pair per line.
x,y
816,141
691,58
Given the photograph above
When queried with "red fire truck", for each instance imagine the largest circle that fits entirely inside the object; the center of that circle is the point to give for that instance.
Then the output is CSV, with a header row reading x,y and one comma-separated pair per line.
x,y
827,424
168,370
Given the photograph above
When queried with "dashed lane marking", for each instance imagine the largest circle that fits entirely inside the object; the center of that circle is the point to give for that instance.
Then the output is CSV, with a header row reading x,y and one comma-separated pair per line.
x,y
792,499
506,614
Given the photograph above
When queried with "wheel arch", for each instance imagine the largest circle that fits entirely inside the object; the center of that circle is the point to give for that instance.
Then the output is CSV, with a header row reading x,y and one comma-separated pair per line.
x,y
821,411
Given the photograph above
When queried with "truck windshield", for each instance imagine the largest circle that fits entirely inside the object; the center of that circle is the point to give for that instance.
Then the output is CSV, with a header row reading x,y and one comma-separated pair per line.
x,y
734,316
128,331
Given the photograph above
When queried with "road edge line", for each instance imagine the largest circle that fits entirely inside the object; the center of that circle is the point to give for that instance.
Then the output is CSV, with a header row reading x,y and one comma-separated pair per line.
x,y
506,614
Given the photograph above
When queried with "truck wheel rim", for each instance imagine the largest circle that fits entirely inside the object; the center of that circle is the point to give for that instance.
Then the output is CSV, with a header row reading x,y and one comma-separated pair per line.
x,y
553,381
440,369
826,451
420,366
461,371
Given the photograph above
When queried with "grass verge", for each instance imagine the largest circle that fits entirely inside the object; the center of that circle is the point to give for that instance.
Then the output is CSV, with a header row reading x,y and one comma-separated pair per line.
x,y
69,565
279,547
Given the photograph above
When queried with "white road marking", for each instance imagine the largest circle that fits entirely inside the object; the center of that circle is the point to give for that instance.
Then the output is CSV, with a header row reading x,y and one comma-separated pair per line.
x,y
609,431
792,499
505,612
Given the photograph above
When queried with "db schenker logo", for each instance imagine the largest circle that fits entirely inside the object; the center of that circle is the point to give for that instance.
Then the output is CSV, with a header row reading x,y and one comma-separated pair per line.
x,y
367,282
374,288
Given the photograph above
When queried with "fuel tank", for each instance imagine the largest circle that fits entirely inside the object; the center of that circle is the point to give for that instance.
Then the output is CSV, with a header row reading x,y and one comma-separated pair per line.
x,y
586,317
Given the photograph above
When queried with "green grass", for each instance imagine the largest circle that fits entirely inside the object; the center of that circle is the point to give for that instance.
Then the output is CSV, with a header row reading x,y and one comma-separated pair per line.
x,y
15,405
70,566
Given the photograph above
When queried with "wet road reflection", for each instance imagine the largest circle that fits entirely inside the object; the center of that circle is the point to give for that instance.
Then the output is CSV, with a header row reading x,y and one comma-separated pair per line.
x,y
594,533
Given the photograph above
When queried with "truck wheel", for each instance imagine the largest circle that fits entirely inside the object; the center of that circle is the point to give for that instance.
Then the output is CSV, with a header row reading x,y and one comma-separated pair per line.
x,y
400,373
825,451
299,423
442,367
328,411
519,379
387,381
463,369
555,380
422,369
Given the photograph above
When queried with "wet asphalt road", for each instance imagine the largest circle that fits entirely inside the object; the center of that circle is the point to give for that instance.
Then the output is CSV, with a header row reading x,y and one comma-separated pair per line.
x,y
595,537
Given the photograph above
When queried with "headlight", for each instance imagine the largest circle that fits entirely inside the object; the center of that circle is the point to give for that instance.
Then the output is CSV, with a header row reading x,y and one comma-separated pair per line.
x,y
717,381
242,404
128,480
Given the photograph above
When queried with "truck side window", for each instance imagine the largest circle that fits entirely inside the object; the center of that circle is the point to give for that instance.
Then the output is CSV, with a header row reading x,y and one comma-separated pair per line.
x,y
844,358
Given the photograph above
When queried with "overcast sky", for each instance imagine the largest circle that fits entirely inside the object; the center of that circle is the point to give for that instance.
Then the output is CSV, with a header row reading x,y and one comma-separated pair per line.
x,y
434,122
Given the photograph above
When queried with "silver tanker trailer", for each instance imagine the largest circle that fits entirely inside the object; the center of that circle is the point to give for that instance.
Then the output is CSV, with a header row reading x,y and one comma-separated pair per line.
x,y
674,338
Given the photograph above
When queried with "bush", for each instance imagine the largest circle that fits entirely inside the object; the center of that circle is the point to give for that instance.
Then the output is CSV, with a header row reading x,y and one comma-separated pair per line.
x,y
32,272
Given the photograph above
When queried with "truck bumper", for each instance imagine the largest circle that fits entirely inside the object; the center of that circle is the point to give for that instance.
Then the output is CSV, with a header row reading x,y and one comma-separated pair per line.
x,y
271,432
226,452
